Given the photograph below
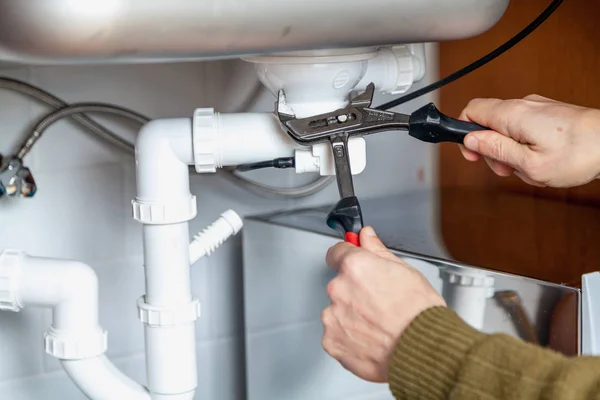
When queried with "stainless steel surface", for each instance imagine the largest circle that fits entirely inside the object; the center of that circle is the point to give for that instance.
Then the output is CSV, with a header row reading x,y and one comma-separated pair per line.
x,y
355,120
511,302
522,307
15,179
109,31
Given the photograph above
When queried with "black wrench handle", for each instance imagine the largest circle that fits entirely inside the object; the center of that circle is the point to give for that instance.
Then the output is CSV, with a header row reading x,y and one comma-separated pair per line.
x,y
429,124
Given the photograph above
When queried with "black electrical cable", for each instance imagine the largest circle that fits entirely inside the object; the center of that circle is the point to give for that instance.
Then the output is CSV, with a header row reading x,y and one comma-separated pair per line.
x,y
281,163
479,63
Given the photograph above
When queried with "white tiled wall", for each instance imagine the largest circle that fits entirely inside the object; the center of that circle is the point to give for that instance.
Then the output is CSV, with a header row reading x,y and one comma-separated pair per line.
x,y
283,303
82,211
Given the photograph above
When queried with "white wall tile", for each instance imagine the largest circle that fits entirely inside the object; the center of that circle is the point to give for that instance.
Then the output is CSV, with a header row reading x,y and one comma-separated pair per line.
x,y
224,368
21,344
55,386
76,214
285,276
291,364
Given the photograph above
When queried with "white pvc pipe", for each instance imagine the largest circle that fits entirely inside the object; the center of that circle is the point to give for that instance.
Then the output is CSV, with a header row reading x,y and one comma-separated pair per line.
x,y
251,137
171,361
468,302
163,152
98,379
167,263
467,293
395,69
69,287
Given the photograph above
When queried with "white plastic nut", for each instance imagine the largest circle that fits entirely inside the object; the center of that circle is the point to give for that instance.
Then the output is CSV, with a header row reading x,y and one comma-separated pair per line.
x,y
168,316
469,279
204,133
406,69
75,347
419,60
10,272
153,213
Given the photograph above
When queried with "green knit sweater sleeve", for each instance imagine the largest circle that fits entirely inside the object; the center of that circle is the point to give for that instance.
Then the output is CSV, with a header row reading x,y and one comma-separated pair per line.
x,y
441,357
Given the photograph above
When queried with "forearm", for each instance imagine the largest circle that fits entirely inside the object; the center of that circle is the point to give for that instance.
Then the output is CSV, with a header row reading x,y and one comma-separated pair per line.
x,y
441,357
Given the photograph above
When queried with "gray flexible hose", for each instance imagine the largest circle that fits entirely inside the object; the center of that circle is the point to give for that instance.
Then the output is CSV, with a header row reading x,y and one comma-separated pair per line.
x,y
53,101
297,192
75,111
39,129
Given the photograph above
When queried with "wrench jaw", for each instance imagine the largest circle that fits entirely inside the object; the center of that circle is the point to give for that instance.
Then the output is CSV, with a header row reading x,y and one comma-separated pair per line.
x,y
319,128
282,110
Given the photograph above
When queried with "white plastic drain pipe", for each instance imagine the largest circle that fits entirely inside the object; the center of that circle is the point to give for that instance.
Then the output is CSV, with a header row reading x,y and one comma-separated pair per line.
x,y
75,337
164,205
467,292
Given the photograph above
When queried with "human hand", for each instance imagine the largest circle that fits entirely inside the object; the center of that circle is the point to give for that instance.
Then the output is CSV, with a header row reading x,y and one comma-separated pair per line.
x,y
542,141
374,298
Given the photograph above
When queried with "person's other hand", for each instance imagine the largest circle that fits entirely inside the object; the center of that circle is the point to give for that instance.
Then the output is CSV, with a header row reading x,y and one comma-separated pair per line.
x,y
542,141
374,298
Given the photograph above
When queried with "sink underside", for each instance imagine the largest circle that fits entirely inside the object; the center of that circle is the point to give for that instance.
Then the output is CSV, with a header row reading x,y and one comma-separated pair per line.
x,y
119,31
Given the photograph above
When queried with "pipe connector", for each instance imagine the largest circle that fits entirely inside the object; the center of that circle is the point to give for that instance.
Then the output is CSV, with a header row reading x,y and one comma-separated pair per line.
x,y
213,236
160,213
75,333
10,271
320,81
70,289
224,140
16,180
478,279
395,69
168,316
67,346
467,292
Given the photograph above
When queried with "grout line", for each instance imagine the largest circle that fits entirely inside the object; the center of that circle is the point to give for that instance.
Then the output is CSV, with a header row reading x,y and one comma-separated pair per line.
x,y
282,328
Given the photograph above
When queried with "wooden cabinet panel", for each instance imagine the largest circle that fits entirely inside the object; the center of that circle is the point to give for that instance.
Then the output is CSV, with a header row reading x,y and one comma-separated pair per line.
x,y
561,60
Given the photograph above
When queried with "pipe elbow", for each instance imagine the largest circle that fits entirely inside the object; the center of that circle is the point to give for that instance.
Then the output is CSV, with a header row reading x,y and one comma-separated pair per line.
x,y
46,282
150,136
160,138
163,151
79,283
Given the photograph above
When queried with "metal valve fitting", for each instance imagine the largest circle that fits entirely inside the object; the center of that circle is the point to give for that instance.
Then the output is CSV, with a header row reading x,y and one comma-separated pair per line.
x,y
16,180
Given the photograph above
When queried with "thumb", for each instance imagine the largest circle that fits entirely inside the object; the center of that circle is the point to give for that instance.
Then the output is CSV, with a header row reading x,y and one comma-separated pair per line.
x,y
497,147
369,241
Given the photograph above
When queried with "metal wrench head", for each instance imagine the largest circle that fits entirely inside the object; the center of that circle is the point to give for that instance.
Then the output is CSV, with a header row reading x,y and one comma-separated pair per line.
x,y
285,113
357,119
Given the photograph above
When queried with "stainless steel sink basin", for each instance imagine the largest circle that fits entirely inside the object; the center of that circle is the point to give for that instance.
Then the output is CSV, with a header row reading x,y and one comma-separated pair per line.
x,y
111,31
